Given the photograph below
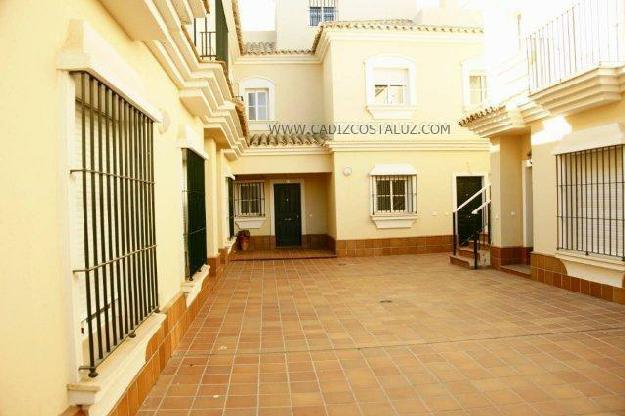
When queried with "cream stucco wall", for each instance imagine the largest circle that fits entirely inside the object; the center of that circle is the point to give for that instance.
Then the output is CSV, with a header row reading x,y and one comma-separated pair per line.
x,y
299,90
439,76
314,188
507,156
435,178
36,276
545,136
293,30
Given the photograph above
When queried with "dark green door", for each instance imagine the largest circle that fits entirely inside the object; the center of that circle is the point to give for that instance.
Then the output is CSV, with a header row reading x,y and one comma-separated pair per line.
x,y
468,224
287,201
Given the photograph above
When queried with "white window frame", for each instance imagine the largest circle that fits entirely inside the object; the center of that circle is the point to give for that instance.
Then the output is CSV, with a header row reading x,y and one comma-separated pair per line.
x,y
259,83
239,197
404,111
483,91
257,92
470,68
390,180
388,86
323,15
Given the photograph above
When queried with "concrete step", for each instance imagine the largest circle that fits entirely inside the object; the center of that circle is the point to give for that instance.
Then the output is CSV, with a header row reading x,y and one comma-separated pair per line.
x,y
464,258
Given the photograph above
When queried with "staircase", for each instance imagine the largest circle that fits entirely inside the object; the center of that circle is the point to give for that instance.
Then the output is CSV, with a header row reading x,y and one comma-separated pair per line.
x,y
472,249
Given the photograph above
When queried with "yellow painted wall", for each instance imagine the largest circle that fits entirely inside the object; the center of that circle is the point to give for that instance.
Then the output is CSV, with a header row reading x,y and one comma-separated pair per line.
x,y
507,156
545,136
36,364
315,193
439,78
434,190
253,164
299,89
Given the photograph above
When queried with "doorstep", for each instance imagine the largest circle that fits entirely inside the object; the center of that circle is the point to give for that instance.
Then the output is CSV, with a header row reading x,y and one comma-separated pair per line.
x,y
522,270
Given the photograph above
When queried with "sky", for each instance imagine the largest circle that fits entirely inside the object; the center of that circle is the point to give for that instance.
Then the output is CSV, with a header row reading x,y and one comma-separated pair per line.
x,y
257,14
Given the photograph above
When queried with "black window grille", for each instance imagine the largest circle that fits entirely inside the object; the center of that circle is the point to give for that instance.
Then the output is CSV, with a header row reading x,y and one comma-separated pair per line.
x,y
230,183
322,11
393,194
114,185
249,199
194,200
591,201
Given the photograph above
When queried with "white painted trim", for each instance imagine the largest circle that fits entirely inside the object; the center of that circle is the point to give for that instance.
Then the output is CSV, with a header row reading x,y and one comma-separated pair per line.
x,y
100,394
405,111
383,222
250,223
272,212
86,50
397,169
260,83
67,240
392,112
472,67
596,268
592,138
192,288
192,141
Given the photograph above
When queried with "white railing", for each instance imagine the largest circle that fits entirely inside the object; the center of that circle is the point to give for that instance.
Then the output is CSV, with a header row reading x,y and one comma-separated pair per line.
x,y
588,35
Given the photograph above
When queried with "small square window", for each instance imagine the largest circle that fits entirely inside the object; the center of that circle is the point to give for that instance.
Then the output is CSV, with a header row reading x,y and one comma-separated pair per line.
x,y
478,90
390,86
322,11
394,194
249,199
258,104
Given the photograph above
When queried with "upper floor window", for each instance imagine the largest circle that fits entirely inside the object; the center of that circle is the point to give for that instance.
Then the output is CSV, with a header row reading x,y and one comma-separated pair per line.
x,y
477,90
258,104
390,86
322,11
259,95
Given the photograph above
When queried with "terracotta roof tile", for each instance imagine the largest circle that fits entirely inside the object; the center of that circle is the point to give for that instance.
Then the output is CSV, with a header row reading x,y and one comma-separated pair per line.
x,y
480,114
267,139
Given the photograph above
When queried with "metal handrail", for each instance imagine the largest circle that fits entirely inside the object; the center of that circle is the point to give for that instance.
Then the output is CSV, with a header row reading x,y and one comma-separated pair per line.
x,y
481,207
468,201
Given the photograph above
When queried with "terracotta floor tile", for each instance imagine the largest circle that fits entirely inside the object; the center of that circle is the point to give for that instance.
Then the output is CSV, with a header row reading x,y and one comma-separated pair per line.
x,y
309,337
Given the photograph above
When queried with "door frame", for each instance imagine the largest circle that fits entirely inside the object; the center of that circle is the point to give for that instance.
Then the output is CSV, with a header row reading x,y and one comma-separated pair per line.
x,y
454,185
272,208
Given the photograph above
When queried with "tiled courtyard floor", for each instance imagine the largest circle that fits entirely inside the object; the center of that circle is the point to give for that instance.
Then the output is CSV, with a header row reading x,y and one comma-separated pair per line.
x,y
312,337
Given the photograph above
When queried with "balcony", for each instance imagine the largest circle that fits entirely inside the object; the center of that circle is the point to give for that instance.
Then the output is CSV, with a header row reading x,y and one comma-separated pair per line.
x,y
589,35
210,35
576,61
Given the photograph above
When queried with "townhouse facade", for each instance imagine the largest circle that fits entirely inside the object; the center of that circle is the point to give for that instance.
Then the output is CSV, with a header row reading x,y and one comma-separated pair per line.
x,y
347,120
555,122
154,128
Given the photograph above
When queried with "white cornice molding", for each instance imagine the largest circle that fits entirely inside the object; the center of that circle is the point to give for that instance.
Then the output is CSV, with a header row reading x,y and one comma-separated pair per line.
x,y
286,151
478,145
594,88
85,50
504,121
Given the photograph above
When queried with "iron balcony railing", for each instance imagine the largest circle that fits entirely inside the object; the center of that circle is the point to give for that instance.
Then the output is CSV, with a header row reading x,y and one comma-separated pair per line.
x,y
210,35
588,35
